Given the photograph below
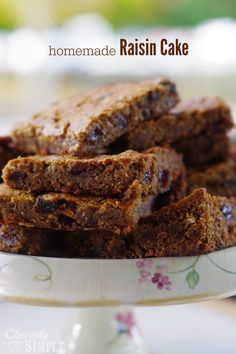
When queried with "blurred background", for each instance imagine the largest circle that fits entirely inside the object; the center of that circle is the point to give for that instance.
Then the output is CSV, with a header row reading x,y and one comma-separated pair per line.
x,y
30,80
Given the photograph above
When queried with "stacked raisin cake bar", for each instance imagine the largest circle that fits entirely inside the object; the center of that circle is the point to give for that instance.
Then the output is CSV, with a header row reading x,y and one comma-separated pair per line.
x,y
202,122
197,224
67,185
114,207
103,176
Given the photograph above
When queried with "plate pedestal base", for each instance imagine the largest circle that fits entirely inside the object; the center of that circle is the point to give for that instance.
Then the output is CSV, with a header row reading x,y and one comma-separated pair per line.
x,y
103,331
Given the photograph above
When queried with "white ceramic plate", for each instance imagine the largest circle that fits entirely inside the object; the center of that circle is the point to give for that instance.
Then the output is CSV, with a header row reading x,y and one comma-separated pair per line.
x,y
91,282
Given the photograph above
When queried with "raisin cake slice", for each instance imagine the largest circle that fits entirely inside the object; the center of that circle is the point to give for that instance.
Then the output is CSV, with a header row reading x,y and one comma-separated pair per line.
x,y
87,122
196,225
218,179
189,118
62,211
156,169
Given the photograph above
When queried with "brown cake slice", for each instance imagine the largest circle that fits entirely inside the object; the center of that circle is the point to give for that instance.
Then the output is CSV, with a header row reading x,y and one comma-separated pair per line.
x,y
198,224
189,118
218,179
62,211
204,149
198,150
156,169
24,240
93,120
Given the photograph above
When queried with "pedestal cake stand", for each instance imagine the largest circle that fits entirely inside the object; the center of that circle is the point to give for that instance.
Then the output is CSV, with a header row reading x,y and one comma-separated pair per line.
x,y
104,291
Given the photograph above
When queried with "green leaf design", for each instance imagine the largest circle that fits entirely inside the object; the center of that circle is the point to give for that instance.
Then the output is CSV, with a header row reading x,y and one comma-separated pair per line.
x,y
192,278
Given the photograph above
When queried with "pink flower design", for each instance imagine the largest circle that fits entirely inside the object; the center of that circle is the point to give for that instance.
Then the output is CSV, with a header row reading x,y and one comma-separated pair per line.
x,y
161,281
144,276
158,278
126,323
144,266
145,263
